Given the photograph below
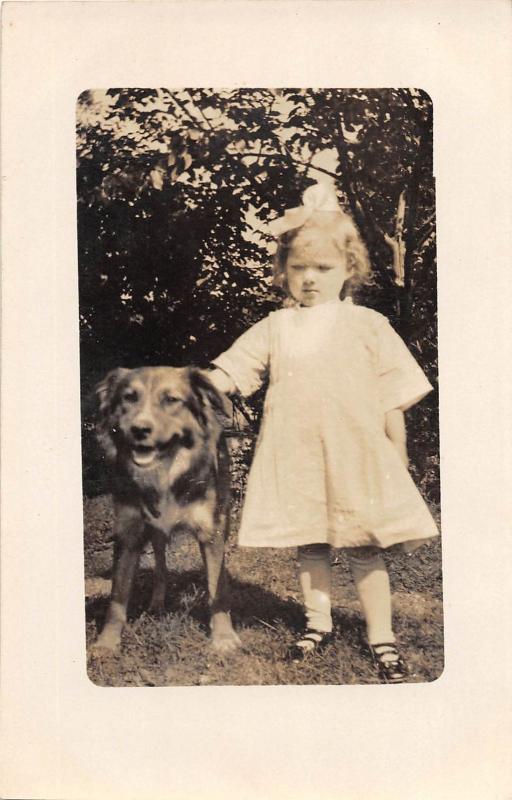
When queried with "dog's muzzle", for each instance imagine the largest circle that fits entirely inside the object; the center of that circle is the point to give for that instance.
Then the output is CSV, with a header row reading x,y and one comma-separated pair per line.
x,y
144,455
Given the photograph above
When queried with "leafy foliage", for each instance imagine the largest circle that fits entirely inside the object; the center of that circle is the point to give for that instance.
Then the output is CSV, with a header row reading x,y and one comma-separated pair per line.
x,y
174,188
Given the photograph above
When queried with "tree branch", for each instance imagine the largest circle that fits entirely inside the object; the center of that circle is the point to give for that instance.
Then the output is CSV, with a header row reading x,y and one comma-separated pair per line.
x,y
397,244
426,229
204,117
291,158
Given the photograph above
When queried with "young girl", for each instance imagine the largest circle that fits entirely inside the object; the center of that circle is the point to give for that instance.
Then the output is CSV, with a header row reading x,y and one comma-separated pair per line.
x,y
330,467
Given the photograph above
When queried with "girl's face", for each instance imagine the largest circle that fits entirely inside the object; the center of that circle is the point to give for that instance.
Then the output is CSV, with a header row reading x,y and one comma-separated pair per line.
x,y
316,269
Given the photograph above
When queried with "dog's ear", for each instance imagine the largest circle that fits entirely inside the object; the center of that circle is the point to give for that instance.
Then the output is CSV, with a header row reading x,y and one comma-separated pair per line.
x,y
105,392
204,389
106,389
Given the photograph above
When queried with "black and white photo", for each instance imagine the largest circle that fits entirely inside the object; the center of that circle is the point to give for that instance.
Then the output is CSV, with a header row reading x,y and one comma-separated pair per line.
x,y
281,244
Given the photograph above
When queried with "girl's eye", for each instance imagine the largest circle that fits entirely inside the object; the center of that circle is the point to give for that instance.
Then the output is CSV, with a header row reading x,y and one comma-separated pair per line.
x,y
130,396
324,268
296,267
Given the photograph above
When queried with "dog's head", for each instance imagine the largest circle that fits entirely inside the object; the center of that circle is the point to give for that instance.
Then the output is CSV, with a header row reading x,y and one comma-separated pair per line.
x,y
147,414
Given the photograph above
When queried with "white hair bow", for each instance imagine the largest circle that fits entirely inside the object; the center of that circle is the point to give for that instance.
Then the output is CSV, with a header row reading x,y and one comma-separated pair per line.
x,y
319,197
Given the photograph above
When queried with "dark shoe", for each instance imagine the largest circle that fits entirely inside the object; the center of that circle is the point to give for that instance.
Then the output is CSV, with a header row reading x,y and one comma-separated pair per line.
x,y
309,643
390,664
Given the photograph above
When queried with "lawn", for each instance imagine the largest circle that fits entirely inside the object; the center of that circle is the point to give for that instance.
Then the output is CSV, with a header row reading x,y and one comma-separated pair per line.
x,y
174,649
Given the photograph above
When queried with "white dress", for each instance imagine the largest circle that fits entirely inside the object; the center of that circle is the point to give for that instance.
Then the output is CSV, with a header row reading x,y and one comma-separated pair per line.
x,y
324,469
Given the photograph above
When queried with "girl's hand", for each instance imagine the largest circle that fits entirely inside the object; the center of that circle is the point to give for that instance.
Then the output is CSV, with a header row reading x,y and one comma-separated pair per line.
x,y
396,432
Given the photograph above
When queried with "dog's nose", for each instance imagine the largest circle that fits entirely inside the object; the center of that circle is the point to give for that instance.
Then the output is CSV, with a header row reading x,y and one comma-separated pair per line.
x,y
142,429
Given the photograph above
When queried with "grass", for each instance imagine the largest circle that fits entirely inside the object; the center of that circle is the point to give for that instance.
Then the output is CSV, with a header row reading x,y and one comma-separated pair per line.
x,y
174,649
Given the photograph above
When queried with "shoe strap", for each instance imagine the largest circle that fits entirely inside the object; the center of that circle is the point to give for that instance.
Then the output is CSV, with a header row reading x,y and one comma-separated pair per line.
x,y
311,638
387,652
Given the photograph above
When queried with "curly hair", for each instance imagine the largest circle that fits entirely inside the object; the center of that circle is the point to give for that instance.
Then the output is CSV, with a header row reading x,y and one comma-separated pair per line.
x,y
341,229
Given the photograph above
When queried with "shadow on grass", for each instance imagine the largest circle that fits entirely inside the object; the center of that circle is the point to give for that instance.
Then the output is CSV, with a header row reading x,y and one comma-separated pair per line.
x,y
251,604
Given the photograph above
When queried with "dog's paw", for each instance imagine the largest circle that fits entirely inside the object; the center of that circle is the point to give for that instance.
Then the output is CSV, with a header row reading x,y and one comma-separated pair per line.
x,y
109,640
224,638
225,642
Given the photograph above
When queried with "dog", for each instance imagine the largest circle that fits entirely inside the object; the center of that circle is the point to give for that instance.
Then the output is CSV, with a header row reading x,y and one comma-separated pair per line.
x,y
159,430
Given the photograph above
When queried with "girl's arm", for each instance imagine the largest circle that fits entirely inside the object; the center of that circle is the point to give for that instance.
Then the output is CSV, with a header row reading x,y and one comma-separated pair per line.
x,y
222,381
396,432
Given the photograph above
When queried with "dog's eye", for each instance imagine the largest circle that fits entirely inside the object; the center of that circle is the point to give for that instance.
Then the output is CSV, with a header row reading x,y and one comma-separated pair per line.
x,y
131,396
169,399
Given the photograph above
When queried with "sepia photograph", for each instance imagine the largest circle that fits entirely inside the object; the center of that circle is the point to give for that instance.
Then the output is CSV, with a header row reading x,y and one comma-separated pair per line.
x,y
256,391
259,382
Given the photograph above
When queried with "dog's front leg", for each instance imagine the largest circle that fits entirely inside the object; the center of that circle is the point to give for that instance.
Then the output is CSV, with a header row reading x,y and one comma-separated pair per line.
x,y
157,605
224,638
130,539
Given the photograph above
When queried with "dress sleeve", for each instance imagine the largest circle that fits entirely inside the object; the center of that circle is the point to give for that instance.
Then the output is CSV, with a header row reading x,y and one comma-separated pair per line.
x,y
247,360
402,382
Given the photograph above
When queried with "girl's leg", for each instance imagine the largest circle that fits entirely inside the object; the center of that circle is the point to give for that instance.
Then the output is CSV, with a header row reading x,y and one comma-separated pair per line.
x,y
372,584
315,582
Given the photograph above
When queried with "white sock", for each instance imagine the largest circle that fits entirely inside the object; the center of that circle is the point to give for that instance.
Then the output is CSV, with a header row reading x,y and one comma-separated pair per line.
x,y
315,582
372,584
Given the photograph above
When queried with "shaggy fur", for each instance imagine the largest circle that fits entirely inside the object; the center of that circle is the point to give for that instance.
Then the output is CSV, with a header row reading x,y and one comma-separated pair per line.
x,y
169,466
